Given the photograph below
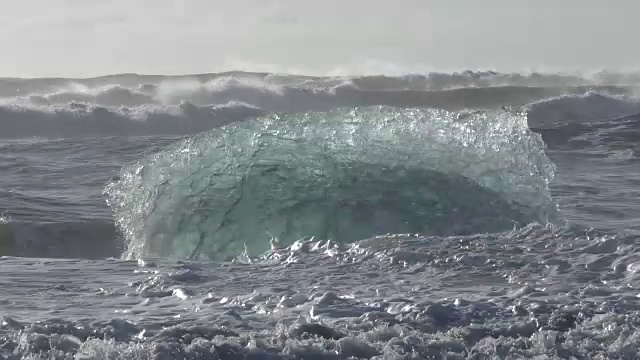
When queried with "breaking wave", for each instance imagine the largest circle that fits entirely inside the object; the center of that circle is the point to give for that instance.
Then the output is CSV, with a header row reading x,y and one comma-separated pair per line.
x,y
344,175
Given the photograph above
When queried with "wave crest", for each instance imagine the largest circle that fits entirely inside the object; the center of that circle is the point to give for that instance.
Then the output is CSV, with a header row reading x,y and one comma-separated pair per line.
x,y
580,109
346,174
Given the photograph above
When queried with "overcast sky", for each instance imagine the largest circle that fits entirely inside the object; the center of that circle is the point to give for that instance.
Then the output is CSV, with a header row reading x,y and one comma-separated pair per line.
x,y
79,38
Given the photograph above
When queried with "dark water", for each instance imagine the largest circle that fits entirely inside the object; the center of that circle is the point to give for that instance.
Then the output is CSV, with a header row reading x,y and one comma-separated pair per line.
x,y
471,165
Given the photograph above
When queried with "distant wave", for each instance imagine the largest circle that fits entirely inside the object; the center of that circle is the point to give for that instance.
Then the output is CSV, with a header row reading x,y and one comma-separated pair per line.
x,y
345,175
10,87
187,106
592,118
87,120
582,109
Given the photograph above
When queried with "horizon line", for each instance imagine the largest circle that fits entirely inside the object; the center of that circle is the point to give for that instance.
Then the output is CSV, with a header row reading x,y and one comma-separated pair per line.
x,y
578,73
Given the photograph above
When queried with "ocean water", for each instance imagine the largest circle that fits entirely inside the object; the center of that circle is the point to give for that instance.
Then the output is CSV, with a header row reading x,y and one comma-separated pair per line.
x,y
474,215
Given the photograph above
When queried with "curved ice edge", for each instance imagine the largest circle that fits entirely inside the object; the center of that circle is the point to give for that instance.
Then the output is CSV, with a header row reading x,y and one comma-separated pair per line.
x,y
404,123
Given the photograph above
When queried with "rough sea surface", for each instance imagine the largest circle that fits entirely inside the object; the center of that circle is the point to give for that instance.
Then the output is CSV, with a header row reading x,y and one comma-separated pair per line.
x,y
474,215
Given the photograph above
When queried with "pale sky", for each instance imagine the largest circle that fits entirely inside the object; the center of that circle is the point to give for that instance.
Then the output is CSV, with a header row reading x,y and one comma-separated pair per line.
x,y
80,38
